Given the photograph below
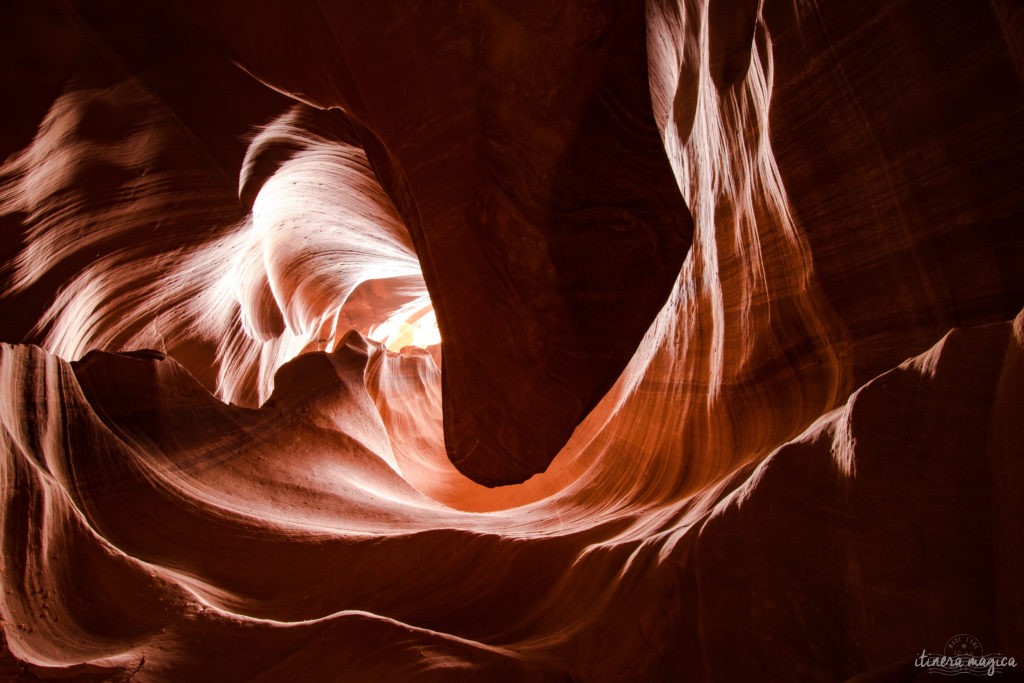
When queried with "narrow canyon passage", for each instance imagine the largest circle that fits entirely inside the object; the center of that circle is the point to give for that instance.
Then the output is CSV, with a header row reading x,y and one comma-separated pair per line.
x,y
511,341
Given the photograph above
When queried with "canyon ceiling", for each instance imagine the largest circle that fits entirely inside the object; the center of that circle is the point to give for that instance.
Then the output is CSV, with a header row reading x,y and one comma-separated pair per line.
x,y
499,340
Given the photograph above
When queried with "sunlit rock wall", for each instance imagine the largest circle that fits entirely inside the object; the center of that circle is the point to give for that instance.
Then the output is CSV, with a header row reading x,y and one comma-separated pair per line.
x,y
726,383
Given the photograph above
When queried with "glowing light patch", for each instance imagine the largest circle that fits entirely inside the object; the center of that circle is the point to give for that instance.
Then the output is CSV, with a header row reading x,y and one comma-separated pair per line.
x,y
419,329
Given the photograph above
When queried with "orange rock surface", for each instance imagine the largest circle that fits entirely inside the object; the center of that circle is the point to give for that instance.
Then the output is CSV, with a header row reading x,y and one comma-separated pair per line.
x,y
509,341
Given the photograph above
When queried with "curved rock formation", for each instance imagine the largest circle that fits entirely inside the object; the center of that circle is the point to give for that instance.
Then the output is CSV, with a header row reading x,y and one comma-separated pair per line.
x,y
534,184
731,379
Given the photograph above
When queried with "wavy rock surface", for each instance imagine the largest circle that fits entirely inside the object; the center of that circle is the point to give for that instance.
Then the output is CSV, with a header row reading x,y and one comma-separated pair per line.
x,y
732,288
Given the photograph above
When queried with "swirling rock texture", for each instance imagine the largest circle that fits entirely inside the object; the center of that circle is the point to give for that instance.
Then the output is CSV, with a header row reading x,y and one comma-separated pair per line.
x,y
731,385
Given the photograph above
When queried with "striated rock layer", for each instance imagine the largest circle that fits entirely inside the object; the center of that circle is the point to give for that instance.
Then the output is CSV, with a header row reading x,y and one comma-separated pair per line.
x,y
731,385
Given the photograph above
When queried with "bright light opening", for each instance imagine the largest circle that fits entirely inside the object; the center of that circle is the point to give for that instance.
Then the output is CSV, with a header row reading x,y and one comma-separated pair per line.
x,y
418,329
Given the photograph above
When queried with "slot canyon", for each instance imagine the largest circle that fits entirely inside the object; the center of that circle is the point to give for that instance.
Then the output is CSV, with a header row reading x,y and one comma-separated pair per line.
x,y
509,340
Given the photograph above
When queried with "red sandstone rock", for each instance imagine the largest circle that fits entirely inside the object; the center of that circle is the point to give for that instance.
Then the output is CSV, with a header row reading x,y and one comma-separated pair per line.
x,y
533,182
806,465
